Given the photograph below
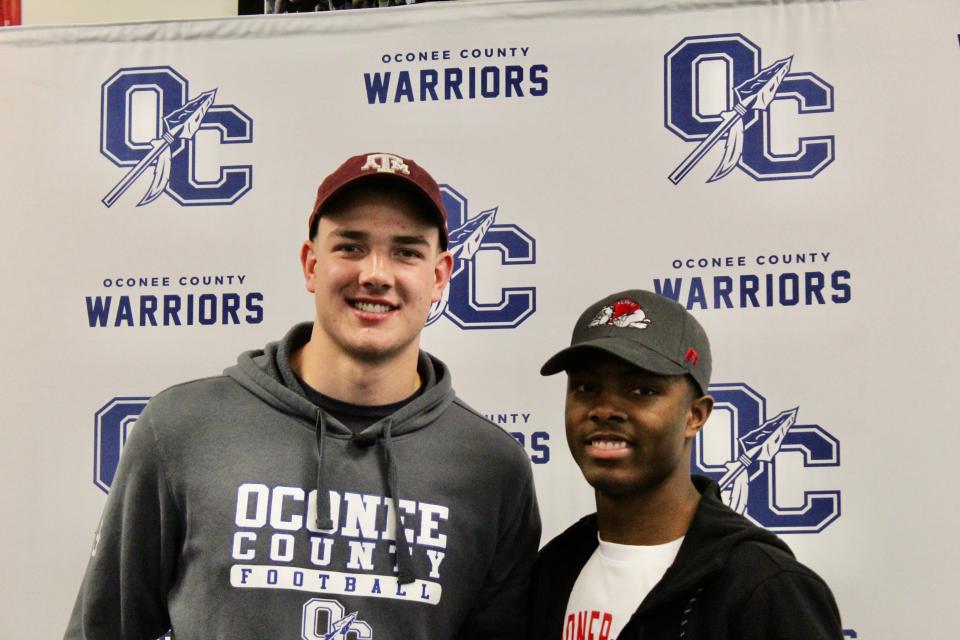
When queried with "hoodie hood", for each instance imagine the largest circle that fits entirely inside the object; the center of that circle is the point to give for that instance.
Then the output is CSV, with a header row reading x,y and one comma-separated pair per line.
x,y
712,537
267,374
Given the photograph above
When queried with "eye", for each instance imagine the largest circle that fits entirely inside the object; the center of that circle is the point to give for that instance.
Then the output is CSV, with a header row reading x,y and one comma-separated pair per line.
x,y
409,254
582,386
349,248
643,390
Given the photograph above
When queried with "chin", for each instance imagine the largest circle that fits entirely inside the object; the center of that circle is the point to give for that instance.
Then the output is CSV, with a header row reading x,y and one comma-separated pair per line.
x,y
610,485
375,351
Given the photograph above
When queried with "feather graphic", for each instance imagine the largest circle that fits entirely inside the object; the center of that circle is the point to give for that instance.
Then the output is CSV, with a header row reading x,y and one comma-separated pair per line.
x,y
732,151
161,176
465,241
739,494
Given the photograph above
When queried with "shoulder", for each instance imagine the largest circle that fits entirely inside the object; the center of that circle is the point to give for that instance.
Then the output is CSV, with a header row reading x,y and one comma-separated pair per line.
x,y
191,400
204,390
477,427
761,559
778,596
768,581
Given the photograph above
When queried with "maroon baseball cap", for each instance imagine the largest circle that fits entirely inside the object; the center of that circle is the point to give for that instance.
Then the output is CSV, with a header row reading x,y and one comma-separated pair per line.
x,y
384,167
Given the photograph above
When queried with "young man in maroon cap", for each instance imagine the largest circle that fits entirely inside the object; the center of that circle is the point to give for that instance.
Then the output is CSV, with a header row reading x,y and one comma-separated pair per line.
x,y
663,557
330,486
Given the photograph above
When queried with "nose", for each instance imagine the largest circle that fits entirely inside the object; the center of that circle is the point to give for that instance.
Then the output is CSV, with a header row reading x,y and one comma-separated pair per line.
x,y
375,272
606,408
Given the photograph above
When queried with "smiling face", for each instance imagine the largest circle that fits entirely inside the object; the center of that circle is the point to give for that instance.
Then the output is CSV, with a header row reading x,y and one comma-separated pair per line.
x,y
374,268
629,430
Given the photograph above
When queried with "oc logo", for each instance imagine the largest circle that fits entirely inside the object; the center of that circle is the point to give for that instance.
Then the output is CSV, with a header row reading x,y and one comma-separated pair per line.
x,y
112,424
470,236
327,620
149,119
715,86
744,447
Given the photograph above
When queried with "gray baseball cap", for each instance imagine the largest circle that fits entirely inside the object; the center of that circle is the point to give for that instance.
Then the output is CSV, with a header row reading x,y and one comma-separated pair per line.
x,y
645,329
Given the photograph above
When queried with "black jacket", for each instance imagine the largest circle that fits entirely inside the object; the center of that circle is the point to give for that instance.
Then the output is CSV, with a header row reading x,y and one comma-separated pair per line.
x,y
731,580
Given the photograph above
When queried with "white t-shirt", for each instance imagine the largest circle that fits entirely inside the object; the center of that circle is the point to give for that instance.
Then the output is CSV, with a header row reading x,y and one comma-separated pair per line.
x,y
611,586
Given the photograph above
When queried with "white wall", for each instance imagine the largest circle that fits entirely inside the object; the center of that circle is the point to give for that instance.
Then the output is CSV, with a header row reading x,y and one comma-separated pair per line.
x,y
70,12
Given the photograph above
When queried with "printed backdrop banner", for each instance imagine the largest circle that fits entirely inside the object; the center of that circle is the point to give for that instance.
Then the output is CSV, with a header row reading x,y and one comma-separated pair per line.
x,y
783,170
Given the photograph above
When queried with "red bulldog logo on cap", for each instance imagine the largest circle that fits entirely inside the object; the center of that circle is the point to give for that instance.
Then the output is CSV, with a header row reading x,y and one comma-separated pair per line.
x,y
621,313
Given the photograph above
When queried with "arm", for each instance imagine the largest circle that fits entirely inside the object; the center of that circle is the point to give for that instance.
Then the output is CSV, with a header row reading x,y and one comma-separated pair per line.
x,y
790,605
500,610
133,562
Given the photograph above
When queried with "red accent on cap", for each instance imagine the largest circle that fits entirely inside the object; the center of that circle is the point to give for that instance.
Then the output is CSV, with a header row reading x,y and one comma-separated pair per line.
x,y
383,166
624,307
692,356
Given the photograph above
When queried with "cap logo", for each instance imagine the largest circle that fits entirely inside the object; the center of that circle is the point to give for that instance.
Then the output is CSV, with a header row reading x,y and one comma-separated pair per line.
x,y
692,356
386,163
621,313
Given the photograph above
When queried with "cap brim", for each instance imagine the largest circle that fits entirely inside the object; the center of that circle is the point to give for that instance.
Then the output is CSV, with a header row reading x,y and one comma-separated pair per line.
x,y
635,354
414,189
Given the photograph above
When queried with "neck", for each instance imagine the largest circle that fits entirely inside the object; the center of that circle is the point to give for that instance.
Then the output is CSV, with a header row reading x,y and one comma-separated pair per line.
x,y
657,516
355,379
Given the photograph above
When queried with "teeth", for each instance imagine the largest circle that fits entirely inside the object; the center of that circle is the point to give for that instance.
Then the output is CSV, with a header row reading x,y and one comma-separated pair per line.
x,y
609,445
371,307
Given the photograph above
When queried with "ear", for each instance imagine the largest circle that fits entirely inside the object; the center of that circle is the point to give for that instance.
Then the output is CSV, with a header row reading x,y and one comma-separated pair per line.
x,y
700,410
308,262
441,274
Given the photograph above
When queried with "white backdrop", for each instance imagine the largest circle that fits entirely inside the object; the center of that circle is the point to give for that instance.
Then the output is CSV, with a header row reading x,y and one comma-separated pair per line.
x,y
820,265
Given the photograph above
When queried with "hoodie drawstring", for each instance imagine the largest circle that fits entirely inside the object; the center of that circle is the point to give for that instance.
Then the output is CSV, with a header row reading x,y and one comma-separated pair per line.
x,y
324,523
404,566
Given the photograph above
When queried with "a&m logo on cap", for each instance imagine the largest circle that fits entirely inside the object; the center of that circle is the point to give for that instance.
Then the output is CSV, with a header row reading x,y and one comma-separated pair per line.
x,y
621,313
386,163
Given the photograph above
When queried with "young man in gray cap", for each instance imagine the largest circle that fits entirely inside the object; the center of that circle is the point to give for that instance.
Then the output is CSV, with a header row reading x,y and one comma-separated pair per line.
x,y
662,557
331,486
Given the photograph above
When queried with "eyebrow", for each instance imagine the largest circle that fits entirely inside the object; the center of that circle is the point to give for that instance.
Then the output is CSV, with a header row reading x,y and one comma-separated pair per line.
x,y
363,235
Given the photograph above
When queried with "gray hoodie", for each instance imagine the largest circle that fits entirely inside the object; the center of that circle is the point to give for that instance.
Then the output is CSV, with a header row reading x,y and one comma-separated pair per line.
x,y
223,522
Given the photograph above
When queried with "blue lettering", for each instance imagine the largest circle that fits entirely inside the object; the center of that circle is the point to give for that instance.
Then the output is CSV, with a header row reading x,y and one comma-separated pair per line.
x,y
428,84
452,78
148,311
814,287
378,86
722,288
539,443
404,87
789,289
255,310
749,285
98,310
668,288
838,280
124,312
696,294
231,304
538,77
